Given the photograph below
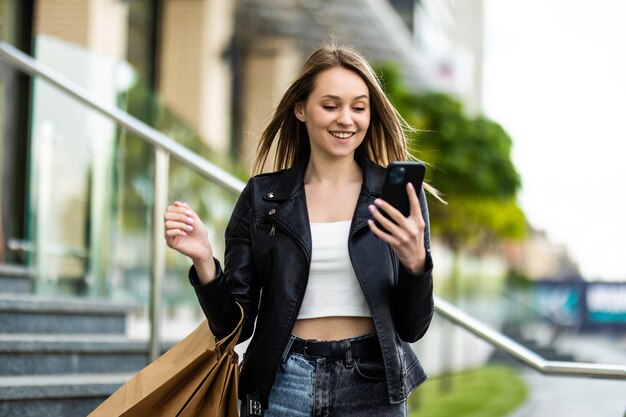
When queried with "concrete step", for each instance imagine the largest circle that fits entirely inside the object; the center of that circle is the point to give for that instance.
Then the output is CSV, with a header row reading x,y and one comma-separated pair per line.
x,y
20,313
72,354
56,395
16,278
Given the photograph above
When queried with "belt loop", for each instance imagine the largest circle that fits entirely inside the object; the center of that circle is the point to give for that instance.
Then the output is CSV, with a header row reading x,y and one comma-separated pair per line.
x,y
349,360
288,348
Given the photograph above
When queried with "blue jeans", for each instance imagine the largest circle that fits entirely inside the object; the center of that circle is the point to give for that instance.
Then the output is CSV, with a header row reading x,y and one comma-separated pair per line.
x,y
323,387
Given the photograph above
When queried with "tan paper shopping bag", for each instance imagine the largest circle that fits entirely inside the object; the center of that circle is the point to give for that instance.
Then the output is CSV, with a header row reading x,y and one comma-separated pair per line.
x,y
196,377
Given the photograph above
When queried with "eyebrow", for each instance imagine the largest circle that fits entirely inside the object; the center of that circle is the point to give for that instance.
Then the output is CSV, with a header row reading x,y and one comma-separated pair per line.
x,y
339,98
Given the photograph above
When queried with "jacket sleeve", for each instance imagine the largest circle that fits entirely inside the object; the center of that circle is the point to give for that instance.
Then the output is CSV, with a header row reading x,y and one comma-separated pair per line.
x,y
238,282
414,292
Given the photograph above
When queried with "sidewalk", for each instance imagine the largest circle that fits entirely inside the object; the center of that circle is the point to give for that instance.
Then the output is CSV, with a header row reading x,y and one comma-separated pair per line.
x,y
572,397
551,396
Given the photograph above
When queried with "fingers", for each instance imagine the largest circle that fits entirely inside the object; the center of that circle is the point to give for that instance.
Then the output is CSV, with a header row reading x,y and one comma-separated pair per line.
x,y
414,201
396,216
400,230
388,225
397,235
170,234
382,235
179,219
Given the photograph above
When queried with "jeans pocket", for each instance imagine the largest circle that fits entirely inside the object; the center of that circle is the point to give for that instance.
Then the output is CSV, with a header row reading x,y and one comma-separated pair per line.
x,y
370,369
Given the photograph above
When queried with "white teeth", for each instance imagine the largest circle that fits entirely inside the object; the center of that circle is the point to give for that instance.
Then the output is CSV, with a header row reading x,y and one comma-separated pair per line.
x,y
342,135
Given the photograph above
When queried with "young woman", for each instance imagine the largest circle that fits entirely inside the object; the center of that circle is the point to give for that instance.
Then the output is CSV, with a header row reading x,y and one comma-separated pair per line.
x,y
336,299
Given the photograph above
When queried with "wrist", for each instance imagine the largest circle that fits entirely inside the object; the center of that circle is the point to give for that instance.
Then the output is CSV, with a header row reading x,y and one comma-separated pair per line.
x,y
205,258
205,268
415,269
415,266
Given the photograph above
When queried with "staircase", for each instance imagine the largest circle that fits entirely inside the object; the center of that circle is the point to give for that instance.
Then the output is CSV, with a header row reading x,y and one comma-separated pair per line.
x,y
60,357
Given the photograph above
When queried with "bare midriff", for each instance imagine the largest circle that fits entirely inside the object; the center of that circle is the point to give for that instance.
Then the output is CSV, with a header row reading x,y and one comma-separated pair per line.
x,y
333,328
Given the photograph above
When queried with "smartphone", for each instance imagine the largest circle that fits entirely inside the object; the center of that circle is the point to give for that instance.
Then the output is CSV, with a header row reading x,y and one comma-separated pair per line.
x,y
397,175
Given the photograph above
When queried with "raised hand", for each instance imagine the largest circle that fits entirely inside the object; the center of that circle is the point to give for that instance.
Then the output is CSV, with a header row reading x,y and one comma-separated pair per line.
x,y
185,233
406,235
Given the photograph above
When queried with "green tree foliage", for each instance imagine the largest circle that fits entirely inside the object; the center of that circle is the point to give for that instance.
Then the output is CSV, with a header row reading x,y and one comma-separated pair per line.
x,y
470,163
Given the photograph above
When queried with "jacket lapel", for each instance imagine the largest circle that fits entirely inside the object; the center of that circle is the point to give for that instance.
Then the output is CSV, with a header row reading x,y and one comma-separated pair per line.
x,y
372,185
291,212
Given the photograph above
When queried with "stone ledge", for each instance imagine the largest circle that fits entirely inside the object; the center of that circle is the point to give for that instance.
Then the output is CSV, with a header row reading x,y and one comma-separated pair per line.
x,y
39,304
65,407
63,322
16,279
15,285
16,271
43,343
33,387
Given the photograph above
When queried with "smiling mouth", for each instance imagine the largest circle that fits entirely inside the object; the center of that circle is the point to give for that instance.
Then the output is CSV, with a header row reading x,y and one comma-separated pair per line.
x,y
342,135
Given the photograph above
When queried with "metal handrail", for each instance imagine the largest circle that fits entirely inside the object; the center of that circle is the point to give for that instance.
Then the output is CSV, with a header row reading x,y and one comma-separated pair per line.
x,y
234,185
522,353
157,139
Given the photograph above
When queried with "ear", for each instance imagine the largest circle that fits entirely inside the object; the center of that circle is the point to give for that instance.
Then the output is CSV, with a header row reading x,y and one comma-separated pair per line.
x,y
299,111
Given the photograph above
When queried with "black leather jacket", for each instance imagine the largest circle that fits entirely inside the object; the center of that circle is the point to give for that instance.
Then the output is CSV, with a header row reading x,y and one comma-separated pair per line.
x,y
267,259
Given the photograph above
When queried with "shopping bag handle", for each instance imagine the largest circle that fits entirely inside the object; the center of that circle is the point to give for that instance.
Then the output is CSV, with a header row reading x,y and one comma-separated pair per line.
x,y
230,340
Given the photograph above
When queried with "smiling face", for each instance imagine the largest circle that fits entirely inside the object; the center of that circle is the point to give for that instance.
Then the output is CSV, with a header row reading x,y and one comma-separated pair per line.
x,y
336,113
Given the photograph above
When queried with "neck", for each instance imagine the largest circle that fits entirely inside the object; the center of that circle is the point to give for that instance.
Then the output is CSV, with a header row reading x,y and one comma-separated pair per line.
x,y
336,171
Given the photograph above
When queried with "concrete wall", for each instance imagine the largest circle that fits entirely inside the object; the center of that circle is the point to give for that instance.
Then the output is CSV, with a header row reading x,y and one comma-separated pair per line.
x,y
195,80
268,73
98,25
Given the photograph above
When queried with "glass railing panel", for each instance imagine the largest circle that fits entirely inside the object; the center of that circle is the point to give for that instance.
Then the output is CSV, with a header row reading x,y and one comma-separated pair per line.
x,y
91,182
181,310
91,192
71,172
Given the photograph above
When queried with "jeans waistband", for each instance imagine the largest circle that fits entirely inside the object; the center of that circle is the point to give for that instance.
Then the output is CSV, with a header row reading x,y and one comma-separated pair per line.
x,y
359,347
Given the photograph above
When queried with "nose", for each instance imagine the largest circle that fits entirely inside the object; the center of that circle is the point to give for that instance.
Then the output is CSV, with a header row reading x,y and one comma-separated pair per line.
x,y
345,118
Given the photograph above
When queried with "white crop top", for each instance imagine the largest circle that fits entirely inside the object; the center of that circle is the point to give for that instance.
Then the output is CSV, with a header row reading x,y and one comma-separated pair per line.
x,y
333,288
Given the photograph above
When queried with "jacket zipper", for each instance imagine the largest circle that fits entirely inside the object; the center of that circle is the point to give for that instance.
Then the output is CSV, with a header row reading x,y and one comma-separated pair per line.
x,y
292,235
308,258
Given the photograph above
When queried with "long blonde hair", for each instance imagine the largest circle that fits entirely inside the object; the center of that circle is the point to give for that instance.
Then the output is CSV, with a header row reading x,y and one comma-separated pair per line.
x,y
385,140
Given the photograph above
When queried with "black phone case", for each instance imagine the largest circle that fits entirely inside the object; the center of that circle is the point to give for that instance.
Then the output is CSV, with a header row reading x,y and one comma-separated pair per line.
x,y
394,188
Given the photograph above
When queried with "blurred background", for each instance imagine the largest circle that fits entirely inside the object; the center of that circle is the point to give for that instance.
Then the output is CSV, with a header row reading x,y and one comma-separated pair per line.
x,y
516,106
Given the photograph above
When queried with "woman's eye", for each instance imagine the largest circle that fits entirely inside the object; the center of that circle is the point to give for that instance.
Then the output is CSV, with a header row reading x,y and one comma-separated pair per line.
x,y
329,107
359,108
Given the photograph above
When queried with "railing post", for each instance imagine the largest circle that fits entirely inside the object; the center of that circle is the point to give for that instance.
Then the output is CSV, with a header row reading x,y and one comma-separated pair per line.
x,y
157,269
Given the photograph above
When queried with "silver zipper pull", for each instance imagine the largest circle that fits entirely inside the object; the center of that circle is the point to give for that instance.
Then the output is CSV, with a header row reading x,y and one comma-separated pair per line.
x,y
273,230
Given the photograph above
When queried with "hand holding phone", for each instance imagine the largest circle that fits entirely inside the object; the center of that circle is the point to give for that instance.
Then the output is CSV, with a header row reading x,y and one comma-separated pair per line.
x,y
394,192
407,239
